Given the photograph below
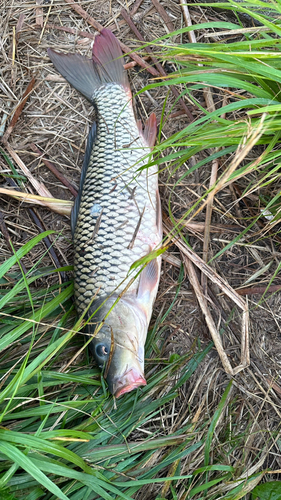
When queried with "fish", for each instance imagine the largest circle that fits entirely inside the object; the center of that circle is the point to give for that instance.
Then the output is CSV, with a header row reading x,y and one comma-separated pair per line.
x,y
116,219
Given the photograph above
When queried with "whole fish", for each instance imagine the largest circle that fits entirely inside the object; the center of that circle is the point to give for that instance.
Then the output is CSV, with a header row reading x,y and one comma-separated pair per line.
x,y
116,218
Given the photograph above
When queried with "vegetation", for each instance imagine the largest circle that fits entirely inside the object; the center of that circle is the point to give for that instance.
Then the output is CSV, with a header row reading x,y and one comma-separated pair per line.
x,y
62,435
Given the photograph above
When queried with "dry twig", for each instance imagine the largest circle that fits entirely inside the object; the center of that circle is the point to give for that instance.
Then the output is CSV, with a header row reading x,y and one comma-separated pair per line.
x,y
161,11
62,207
207,315
53,169
18,110
187,20
39,186
19,25
73,31
258,290
99,28
39,13
190,255
160,69
136,7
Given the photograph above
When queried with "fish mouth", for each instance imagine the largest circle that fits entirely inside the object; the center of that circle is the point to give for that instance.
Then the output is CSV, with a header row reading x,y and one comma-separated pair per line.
x,y
128,382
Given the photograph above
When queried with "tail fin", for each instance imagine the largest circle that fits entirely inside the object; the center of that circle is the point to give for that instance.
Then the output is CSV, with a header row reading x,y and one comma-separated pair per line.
x,y
87,75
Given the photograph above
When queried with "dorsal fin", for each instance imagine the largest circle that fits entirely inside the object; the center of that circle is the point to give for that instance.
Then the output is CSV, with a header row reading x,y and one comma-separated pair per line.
x,y
150,130
90,143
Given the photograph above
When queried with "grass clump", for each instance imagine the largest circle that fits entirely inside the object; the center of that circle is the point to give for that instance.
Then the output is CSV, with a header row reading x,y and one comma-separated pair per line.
x,y
244,77
62,436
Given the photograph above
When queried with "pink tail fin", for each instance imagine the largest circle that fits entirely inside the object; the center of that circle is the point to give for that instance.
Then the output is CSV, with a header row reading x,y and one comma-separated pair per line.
x,y
88,75
108,59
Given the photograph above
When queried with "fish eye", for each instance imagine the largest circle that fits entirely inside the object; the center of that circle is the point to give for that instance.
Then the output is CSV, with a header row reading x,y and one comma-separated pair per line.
x,y
102,350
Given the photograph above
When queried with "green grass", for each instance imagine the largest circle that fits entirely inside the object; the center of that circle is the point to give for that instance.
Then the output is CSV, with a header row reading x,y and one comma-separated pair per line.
x,y
61,430
248,73
61,434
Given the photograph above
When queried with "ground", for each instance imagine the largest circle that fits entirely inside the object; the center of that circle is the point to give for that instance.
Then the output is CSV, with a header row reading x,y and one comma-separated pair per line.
x,y
57,120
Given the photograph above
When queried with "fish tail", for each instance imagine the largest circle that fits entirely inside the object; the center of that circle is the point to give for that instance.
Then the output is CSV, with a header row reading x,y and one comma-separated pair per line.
x,y
88,75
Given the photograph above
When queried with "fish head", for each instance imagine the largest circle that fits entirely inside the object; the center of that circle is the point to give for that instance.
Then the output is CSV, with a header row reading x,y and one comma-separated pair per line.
x,y
118,346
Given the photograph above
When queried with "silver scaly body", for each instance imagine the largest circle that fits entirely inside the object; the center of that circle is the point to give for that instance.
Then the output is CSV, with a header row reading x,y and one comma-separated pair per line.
x,y
116,199
116,218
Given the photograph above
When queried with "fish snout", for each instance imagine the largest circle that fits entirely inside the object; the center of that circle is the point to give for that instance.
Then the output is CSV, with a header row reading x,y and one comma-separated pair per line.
x,y
127,382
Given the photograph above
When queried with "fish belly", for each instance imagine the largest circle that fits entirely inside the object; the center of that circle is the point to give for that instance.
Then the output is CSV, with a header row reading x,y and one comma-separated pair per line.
x,y
116,223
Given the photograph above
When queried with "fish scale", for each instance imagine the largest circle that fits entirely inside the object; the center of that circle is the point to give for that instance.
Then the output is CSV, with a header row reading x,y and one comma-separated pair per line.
x,y
116,193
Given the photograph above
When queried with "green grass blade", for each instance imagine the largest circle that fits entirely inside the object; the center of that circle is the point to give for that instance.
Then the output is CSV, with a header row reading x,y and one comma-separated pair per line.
x,y
214,422
36,317
23,461
4,268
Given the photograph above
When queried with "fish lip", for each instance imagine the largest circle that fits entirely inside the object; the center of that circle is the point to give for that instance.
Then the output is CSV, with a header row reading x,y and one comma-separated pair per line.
x,y
130,388
133,380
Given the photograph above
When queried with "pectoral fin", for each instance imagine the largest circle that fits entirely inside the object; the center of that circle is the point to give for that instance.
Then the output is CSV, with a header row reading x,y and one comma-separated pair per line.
x,y
139,125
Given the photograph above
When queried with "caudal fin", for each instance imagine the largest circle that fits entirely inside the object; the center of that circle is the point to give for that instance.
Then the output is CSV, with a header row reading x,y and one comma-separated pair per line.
x,y
87,75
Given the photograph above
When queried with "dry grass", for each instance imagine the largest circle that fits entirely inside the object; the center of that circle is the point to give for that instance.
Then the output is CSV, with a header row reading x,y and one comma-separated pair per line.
x,y
57,119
